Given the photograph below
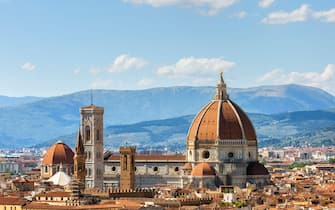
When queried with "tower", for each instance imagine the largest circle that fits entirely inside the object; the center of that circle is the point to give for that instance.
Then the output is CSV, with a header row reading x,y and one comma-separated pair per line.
x,y
91,126
127,164
79,163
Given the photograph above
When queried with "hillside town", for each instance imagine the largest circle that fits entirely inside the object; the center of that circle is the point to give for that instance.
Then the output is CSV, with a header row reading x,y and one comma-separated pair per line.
x,y
310,185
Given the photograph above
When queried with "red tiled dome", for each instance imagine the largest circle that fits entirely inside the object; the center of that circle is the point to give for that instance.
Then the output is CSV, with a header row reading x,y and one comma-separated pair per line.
x,y
203,169
58,153
221,119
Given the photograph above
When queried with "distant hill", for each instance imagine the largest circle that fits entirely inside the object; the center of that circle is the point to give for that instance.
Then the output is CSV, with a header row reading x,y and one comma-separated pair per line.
x,y
6,101
315,128
36,122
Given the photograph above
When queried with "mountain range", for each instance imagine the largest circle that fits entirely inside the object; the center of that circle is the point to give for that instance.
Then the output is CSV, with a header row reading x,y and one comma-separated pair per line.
x,y
313,128
42,119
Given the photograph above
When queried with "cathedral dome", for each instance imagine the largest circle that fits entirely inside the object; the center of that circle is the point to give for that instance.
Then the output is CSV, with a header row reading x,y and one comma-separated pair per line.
x,y
221,119
203,169
58,153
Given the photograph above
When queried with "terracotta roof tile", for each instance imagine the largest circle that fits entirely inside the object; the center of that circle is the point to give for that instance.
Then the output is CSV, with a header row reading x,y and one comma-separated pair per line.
x,y
54,194
58,153
203,169
255,168
223,120
12,201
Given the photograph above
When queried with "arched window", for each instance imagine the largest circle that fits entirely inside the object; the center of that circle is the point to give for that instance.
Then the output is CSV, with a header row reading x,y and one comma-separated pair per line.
x,y
46,169
155,169
87,133
88,155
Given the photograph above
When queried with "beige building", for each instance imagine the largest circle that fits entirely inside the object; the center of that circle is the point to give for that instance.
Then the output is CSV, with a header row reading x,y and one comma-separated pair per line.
x,y
12,203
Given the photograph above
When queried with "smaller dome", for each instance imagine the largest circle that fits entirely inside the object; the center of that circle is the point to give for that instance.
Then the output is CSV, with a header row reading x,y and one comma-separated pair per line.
x,y
187,166
255,168
58,153
203,169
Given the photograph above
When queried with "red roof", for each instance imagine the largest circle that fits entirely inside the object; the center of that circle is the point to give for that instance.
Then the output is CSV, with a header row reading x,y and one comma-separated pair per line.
x,y
223,120
255,168
12,201
58,153
203,169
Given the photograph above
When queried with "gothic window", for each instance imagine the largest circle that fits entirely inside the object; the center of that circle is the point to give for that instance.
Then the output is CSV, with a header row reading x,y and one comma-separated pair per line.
x,y
46,169
89,172
87,133
249,155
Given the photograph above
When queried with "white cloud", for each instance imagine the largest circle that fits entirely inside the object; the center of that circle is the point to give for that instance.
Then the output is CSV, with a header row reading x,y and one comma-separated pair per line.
x,y
326,16
199,71
303,13
240,15
324,79
208,7
298,15
145,82
125,62
28,66
265,3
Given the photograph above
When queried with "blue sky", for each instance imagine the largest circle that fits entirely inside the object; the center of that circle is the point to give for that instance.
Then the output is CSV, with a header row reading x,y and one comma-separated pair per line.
x,y
56,47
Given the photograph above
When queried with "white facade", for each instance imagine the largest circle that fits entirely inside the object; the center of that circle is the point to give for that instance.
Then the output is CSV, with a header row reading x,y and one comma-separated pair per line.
x,y
92,131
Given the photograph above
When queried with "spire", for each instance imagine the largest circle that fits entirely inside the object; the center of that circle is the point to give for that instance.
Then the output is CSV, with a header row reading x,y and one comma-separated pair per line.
x,y
79,144
221,89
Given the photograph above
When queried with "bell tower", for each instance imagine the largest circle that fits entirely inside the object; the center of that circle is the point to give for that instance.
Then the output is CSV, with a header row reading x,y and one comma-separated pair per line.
x,y
127,164
91,128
